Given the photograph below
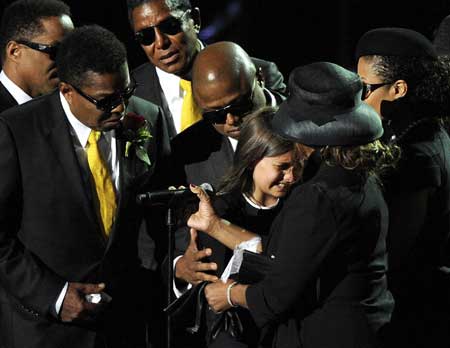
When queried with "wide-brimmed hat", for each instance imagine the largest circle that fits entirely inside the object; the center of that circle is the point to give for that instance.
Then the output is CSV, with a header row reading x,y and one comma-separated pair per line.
x,y
324,107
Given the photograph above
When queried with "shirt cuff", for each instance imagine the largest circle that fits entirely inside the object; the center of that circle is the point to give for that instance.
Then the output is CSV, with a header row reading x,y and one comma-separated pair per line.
x,y
179,291
60,300
235,262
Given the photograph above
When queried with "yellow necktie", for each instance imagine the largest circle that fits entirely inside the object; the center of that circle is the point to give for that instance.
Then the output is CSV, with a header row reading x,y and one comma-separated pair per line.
x,y
190,112
103,183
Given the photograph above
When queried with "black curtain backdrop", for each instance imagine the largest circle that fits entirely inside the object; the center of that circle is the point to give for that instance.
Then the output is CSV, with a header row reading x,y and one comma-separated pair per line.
x,y
288,32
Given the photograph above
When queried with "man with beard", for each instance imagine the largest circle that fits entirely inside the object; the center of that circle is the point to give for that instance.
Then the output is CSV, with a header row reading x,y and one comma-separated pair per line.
x,y
29,36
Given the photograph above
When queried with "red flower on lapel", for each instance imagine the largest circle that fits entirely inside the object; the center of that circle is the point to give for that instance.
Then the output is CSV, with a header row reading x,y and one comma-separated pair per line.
x,y
133,121
135,131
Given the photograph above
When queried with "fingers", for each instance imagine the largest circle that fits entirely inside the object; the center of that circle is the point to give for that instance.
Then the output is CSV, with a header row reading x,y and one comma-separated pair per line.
x,y
91,288
204,266
201,254
205,277
198,190
193,241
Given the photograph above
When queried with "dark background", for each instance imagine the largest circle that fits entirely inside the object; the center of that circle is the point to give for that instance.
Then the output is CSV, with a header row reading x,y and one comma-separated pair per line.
x,y
288,32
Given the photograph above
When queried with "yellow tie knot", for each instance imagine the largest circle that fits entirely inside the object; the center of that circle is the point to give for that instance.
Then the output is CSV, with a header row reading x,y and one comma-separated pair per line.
x,y
190,112
186,86
94,136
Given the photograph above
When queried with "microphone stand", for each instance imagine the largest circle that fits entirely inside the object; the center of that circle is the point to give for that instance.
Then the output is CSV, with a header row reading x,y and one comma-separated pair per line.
x,y
170,223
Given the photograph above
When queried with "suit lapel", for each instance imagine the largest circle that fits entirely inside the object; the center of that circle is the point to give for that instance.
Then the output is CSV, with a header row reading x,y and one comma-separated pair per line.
x,y
6,99
222,159
63,148
150,89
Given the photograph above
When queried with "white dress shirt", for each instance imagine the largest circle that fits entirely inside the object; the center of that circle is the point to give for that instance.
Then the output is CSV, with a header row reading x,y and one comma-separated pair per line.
x,y
17,93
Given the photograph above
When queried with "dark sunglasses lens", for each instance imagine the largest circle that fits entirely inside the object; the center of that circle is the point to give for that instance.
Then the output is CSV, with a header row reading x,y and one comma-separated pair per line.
x,y
52,52
242,109
109,103
171,26
215,117
146,36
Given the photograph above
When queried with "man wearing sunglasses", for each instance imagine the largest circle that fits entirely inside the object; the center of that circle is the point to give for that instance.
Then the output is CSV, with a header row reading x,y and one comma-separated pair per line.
x,y
30,33
227,86
168,33
69,271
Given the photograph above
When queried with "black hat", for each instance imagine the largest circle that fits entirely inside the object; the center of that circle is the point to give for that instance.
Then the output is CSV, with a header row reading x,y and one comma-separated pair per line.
x,y
442,38
395,42
325,108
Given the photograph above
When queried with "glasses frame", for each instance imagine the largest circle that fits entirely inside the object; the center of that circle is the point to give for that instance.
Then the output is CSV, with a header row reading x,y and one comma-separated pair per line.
x,y
219,116
109,107
369,88
51,50
139,36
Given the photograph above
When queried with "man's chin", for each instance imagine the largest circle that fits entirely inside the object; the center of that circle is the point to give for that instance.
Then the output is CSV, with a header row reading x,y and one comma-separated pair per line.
x,y
109,125
177,68
234,134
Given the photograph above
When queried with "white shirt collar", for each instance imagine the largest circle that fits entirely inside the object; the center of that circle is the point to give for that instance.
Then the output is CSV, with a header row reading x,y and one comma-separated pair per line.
x,y
257,206
82,131
233,143
18,94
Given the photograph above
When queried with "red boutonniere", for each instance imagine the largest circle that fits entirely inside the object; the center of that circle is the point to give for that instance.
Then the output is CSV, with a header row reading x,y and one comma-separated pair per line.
x,y
135,131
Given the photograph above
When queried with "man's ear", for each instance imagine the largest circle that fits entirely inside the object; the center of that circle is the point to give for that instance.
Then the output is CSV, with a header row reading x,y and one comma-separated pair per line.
x,y
13,51
67,91
195,16
399,89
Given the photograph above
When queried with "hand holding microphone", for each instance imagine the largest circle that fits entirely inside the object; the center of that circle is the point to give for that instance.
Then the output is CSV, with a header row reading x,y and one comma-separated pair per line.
x,y
167,195
205,218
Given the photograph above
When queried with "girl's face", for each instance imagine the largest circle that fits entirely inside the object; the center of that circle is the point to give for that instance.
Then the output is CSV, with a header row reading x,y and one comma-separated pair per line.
x,y
273,177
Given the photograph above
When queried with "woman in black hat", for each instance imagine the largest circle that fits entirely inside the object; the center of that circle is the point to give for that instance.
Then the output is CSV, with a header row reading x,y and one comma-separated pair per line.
x,y
327,285
406,83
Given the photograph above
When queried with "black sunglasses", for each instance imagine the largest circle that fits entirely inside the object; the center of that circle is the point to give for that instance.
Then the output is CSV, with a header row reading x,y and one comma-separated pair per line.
x,y
169,26
241,109
109,103
370,87
51,50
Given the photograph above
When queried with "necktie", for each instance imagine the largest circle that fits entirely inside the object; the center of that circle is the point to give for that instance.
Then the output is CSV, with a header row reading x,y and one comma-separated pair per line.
x,y
103,183
190,112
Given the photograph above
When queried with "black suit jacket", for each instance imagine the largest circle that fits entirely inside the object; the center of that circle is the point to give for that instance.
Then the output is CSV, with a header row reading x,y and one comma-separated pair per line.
x,y
49,233
6,99
149,87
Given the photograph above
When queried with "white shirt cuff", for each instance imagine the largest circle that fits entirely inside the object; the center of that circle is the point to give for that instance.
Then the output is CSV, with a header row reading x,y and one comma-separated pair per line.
x,y
178,291
61,296
236,260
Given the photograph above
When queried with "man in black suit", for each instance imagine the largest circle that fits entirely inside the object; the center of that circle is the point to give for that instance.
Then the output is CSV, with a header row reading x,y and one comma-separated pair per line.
x,y
71,165
167,32
227,86
29,35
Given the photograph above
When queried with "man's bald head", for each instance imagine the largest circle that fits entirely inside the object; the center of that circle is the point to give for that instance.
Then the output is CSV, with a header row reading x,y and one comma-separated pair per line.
x,y
226,87
221,68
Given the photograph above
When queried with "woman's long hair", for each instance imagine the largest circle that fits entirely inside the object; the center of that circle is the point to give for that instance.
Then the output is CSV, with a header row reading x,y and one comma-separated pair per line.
x,y
256,141
374,158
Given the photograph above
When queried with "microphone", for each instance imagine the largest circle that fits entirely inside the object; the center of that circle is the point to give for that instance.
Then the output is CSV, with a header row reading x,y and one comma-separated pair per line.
x,y
164,195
